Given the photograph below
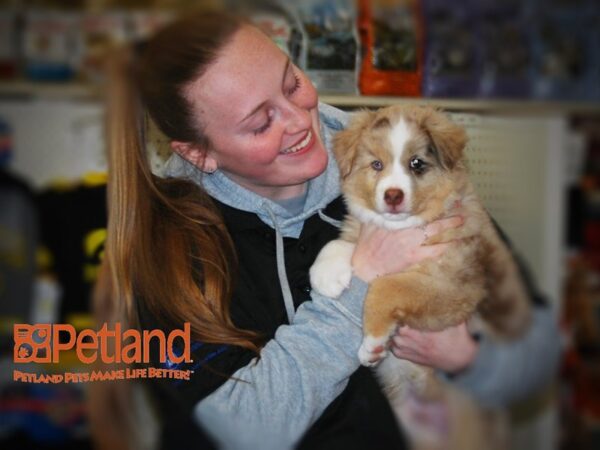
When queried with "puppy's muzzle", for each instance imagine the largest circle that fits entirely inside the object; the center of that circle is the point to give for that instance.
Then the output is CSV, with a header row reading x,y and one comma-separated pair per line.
x,y
393,197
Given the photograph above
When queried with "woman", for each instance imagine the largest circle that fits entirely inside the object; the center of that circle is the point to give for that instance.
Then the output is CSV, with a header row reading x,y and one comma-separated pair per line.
x,y
226,239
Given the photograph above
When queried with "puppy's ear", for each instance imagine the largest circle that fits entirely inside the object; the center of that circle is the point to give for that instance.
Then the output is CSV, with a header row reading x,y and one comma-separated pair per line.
x,y
448,138
346,142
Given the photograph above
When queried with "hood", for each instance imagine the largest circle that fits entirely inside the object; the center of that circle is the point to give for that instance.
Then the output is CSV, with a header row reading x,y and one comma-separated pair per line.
x,y
321,190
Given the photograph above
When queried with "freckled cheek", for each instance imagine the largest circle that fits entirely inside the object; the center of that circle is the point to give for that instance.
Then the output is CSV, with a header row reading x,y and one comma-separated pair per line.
x,y
263,154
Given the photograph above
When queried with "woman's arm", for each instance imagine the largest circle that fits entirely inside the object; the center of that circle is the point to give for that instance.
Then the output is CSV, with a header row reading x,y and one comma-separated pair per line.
x,y
504,372
495,373
272,401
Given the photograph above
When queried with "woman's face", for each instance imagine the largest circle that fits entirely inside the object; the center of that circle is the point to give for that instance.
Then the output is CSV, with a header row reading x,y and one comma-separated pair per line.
x,y
259,112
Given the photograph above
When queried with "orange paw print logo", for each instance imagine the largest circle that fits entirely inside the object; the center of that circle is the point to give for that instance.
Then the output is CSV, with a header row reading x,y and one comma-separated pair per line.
x,y
32,343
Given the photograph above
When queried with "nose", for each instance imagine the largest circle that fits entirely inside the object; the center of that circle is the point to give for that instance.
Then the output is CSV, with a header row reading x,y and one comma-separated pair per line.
x,y
298,118
393,197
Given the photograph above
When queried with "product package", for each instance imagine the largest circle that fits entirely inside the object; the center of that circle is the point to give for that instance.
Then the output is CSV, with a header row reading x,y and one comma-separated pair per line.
x,y
97,34
452,65
276,27
332,44
565,51
49,45
144,23
392,38
506,48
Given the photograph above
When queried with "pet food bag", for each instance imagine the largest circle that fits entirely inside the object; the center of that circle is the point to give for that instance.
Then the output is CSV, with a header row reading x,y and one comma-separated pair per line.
x,y
506,42
392,39
98,34
332,44
284,28
565,50
144,23
452,65
49,45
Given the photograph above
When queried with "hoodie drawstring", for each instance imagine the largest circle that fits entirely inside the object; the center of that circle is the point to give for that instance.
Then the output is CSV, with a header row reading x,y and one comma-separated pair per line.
x,y
288,300
329,220
286,291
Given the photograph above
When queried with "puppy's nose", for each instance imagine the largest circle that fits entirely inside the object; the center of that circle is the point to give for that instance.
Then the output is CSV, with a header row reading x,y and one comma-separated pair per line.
x,y
393,197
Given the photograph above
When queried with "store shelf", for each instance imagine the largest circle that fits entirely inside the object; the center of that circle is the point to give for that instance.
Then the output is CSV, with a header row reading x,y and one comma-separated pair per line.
x,y
537,107
14,90
26,90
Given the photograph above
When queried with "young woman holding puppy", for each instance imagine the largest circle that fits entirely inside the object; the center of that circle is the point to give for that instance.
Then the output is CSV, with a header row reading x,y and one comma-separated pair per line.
x,y
224,240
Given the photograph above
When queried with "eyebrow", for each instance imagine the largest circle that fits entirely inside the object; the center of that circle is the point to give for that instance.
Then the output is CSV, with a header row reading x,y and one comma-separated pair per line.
x,y
251,113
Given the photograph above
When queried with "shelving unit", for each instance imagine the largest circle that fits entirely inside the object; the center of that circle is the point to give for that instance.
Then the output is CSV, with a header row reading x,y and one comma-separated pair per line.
x,y
27,90
81,91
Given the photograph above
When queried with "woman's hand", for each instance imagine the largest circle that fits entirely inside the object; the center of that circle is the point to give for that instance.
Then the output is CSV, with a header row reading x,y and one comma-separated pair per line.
x,y
451,350
381,252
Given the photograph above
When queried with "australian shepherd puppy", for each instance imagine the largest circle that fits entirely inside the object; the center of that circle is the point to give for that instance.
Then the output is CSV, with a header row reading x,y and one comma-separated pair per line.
x,y
401,167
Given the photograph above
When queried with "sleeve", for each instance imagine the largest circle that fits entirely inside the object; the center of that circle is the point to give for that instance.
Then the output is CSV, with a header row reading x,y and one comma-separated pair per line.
x,y
505,372
270,402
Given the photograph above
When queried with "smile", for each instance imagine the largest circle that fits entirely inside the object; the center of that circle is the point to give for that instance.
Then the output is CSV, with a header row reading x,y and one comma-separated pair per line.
x,y
300,146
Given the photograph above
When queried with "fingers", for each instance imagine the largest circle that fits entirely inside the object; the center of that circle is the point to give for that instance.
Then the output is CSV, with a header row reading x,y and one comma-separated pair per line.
x,y
451,349
430,251
443,224
406,353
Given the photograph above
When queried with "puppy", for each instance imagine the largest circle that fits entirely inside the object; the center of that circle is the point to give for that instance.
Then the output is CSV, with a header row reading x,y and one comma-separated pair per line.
x,y
401,167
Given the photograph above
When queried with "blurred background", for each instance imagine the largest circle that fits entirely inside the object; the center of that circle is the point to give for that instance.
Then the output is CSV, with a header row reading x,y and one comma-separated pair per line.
x,y
523,77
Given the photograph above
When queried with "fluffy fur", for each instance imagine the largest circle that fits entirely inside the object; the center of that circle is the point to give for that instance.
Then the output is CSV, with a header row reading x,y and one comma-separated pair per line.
x,y
403,167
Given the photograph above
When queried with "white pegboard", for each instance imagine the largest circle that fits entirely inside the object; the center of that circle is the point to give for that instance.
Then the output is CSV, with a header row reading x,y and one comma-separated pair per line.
x,y
55,139
515,164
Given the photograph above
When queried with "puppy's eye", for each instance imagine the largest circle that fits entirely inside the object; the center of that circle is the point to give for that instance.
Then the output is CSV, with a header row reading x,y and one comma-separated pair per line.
x,y
377,165
417,165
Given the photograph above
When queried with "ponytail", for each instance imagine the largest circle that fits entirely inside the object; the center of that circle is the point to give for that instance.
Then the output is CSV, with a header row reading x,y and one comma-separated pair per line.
x,y
167,245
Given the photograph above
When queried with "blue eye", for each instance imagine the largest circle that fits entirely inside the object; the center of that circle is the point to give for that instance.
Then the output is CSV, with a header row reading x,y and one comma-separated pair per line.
x,y
377,165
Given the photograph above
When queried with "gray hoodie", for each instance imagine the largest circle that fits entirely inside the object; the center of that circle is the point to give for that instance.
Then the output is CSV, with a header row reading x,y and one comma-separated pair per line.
x,y
272,401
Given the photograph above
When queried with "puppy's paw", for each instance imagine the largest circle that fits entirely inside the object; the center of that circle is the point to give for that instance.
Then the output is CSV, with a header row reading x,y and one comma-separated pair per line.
x,y
372,350
332,270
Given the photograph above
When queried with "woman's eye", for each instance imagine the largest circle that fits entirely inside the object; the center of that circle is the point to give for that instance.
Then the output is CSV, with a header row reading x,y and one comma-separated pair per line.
x,y
417,165
377,165
296,85
265,127
262,129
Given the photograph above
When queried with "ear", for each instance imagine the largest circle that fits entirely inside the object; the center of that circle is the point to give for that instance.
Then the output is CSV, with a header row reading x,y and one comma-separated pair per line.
x,y
448,138
346,142
196,154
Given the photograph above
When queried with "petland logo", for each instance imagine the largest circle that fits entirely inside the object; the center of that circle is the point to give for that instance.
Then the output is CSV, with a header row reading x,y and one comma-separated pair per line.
x,y
44,344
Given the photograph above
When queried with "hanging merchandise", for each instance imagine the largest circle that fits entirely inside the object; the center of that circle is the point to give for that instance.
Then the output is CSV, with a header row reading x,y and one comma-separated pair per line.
x,y
9,47
506,41
18,242
75,246
392,38
452,56
332,44
6,143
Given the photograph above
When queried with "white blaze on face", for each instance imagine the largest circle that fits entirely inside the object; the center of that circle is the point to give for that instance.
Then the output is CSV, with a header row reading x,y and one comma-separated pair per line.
x,y
398,177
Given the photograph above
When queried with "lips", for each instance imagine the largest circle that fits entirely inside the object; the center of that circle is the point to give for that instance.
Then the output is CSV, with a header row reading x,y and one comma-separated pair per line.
x,y
302,145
